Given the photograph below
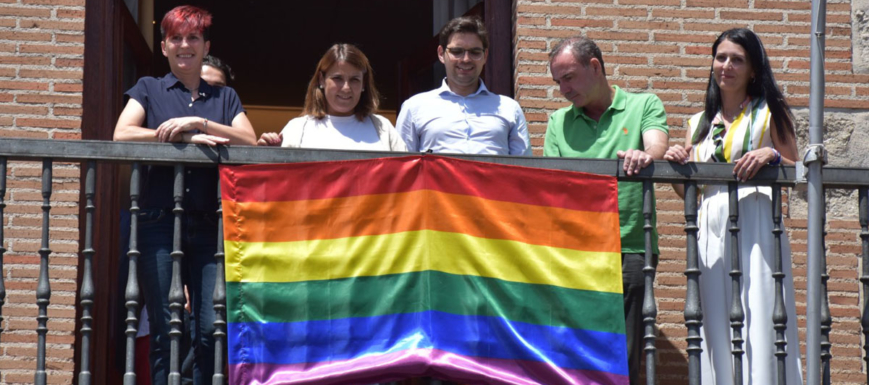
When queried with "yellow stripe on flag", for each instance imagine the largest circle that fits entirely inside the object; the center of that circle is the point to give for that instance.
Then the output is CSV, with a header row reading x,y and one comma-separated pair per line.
x,y
402,253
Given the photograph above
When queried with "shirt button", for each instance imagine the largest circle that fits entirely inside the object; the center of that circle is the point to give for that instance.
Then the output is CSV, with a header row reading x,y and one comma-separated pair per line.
x,y
190,105
187,190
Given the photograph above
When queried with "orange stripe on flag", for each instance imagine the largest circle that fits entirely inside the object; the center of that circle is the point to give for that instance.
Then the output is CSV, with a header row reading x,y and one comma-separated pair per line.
x,y
387,214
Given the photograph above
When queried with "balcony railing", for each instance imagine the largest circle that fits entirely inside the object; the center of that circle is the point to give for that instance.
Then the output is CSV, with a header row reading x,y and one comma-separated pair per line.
x,y
92,153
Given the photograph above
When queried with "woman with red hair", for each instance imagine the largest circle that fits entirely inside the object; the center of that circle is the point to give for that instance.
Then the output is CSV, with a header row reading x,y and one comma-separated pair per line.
x,y
181,107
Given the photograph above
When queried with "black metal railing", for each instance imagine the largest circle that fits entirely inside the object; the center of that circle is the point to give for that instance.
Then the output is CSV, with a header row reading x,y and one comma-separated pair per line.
x,y
92,153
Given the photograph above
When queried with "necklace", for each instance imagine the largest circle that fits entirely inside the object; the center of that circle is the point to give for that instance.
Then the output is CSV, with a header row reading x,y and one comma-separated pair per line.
x,y
732,117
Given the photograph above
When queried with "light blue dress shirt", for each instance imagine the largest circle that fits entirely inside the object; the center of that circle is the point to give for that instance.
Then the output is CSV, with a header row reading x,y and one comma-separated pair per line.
x,y
480,123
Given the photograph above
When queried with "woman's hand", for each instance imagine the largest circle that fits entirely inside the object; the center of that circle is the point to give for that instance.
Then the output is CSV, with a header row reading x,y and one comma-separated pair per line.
x,y
270,139
678,154
750,163
171,129
205,139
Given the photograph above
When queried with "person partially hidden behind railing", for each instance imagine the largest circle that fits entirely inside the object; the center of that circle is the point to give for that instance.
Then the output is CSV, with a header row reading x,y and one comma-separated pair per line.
x,y
340,106
746,122
216,72
181,107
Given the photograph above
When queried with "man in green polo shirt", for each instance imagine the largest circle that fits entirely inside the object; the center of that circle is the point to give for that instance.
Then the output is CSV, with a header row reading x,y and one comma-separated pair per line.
x,y
607,122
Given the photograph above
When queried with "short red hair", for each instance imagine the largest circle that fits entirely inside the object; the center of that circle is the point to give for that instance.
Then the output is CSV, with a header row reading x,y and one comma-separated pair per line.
x,y
184,19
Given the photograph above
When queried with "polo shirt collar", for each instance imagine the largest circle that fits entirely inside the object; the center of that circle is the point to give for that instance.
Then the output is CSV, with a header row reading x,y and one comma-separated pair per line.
x,y
170,81
445,88
618,103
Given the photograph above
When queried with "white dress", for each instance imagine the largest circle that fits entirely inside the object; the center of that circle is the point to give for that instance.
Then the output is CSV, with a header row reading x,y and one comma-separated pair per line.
x,y
749,131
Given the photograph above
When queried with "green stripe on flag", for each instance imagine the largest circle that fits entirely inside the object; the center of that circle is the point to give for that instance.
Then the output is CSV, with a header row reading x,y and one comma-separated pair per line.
x,y
427,290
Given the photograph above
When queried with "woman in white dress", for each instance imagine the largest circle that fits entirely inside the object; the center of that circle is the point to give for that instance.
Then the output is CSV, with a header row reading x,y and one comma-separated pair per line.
x,y
339,108
746,122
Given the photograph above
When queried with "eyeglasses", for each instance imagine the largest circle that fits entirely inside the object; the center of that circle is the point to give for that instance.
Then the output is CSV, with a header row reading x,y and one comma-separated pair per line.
x,y
459,53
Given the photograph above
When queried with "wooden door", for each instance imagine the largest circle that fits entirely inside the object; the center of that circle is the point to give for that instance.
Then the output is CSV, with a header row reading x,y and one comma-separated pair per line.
x,y
116,54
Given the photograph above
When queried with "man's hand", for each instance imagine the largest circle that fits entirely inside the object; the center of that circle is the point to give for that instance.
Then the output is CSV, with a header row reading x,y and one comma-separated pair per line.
x,y
635,160
171,130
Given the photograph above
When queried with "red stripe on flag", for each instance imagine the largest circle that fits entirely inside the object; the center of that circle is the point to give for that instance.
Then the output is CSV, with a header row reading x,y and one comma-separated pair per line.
x,y
291,182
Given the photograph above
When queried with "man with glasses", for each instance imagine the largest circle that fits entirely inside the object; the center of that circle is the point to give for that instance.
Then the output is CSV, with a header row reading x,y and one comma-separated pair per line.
x,y
462,116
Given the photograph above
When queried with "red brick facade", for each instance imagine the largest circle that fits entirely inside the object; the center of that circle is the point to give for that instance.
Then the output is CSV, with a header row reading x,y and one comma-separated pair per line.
x,y
664,47
659,46
41,59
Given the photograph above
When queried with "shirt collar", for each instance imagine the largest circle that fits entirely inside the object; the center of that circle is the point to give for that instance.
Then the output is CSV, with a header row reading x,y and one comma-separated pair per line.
x,y
171,81
445,88
618,103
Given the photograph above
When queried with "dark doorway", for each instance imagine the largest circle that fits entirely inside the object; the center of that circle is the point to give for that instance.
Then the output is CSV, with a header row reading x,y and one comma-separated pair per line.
x,y
274,46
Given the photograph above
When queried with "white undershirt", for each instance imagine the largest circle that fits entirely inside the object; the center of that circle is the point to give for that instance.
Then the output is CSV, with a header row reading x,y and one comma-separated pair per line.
x,y
341,133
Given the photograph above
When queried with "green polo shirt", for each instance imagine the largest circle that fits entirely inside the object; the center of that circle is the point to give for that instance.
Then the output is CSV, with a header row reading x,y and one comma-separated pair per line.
x,y
571,133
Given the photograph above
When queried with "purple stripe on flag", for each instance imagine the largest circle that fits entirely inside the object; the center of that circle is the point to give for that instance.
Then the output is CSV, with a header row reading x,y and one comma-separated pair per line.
x,y
418,363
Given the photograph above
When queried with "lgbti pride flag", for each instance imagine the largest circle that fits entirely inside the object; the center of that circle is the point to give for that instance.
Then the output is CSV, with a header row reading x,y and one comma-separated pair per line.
x,y
355,272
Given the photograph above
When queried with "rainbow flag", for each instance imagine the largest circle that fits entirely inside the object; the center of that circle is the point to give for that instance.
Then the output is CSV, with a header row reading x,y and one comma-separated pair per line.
x,y
355,272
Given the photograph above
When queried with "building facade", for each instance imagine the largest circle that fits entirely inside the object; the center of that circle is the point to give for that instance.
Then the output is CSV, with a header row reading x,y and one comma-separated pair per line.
x,y
61,76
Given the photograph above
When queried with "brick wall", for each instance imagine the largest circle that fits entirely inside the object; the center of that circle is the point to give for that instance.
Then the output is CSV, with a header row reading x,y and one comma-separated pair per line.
x,y
649,45
41,58
664,46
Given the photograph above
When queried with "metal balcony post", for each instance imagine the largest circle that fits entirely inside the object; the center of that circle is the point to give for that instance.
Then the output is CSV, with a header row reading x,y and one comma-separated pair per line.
x,y
219,300
87,282
693,309
2,237
779,313
176,288
864,278
737,313
131,292
43,286
650,310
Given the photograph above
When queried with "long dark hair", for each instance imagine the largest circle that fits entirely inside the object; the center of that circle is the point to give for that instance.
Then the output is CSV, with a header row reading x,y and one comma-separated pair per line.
x,y
763,85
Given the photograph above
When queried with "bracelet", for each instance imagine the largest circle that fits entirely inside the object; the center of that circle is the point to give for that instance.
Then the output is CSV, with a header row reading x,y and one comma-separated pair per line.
x,y
777,159
205,126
